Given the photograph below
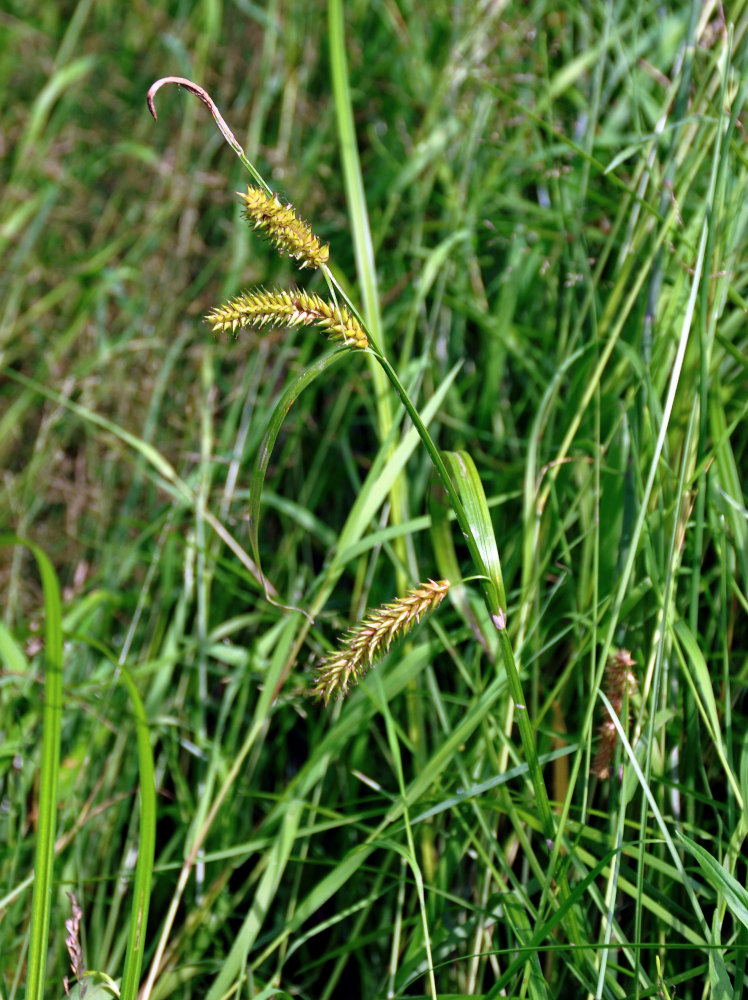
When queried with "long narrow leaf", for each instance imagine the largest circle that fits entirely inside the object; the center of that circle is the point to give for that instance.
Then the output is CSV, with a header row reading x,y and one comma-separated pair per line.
x,y
47,806
354,184
137,937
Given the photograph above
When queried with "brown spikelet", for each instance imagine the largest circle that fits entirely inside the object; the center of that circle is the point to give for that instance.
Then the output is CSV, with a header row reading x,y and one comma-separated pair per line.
x,y
369,639
281,225
620,685
73,945
259,307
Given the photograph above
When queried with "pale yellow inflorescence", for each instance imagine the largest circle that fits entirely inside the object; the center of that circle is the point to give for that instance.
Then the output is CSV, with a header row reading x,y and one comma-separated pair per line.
x,y
259,307
283,228
370,638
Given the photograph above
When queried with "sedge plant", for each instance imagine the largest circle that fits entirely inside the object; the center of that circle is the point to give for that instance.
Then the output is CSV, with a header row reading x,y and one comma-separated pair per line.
x,y
560,197
281,225
338,316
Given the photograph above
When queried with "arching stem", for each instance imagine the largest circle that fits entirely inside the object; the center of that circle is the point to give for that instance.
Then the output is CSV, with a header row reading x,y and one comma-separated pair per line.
x,y
205,97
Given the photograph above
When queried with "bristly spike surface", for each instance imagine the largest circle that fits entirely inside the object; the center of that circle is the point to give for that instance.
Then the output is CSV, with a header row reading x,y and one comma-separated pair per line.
x,y
258,307
370,639
281,225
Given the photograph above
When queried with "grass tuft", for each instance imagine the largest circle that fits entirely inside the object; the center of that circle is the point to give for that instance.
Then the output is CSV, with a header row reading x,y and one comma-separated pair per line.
x,y
539,225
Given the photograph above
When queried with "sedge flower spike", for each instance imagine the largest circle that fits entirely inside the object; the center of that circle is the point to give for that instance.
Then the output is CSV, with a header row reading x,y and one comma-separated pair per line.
x,y
258,308
620,685
280,224
368,640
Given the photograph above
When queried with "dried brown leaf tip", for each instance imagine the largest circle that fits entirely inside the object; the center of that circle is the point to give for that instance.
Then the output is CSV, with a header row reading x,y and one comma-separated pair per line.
x,y
367,641
281,225
259,307
620,686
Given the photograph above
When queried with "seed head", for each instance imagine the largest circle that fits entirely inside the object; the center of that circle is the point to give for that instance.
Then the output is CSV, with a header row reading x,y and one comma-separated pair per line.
x,y
620,685
259,307
281,225
370,639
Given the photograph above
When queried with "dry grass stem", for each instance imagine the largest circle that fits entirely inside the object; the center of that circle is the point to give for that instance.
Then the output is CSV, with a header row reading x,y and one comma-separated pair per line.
x,y
281,225
370,639
288,308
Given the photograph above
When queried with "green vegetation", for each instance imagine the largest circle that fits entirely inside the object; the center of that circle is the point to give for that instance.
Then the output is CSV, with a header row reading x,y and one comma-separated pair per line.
x,y
528,341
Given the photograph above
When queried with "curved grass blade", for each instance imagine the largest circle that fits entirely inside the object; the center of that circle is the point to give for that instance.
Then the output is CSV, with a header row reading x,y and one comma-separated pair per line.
x,y
262,460
736,900
723,883
47,806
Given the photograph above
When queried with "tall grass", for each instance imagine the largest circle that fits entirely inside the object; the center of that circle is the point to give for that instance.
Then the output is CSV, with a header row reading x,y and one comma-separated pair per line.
x,y
538,213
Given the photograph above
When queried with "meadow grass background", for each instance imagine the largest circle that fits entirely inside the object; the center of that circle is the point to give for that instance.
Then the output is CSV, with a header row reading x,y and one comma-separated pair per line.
x,y
557,202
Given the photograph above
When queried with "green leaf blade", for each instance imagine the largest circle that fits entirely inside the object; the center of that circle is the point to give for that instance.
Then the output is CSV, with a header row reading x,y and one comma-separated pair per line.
x,y
469,486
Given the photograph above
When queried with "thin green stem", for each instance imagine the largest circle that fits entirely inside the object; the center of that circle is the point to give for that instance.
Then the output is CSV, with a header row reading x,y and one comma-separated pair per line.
x,y
494,604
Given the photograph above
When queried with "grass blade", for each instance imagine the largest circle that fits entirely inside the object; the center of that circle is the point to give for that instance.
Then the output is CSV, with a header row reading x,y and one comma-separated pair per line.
x,y
470,488
47,806
137,937
731,891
